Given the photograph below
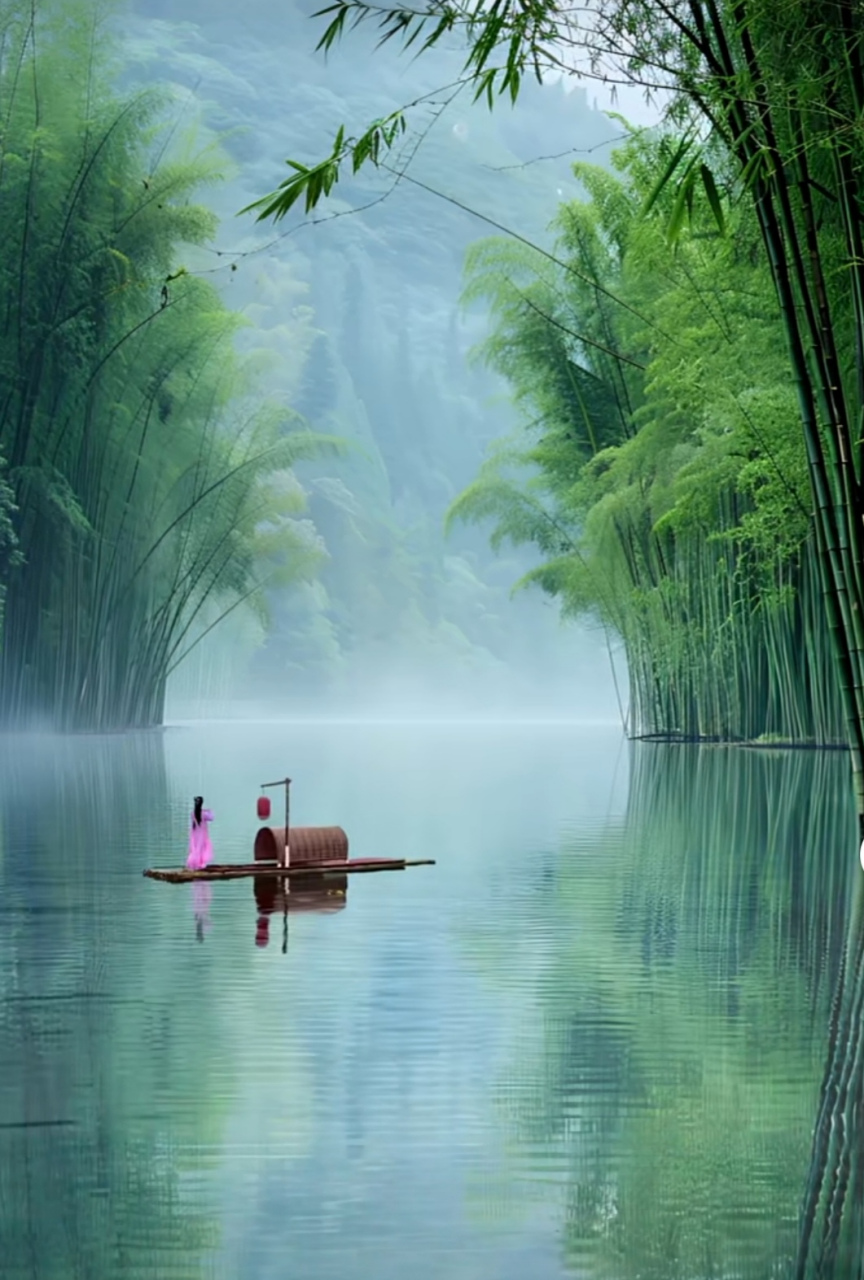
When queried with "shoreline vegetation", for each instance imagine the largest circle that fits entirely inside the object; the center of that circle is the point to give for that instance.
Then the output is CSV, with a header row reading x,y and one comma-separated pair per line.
x,y
147,486
766,743
660,471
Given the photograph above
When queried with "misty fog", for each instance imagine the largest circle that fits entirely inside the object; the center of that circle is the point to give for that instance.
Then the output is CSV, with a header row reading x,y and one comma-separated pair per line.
x,y
355,317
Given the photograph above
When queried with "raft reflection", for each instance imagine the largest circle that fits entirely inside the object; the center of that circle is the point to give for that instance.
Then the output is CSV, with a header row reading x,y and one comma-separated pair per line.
x,y
321,894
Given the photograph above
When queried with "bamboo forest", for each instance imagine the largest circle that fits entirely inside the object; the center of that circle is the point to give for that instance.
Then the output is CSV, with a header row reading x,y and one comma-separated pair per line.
x,y
432,440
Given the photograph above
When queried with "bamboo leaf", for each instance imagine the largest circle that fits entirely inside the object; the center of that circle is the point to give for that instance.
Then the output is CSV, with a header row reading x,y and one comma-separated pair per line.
x,y
335,28
713,196
683,205
667,173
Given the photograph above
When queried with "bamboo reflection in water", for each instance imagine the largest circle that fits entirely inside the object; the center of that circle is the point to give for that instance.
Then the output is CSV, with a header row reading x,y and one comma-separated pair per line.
x,y
831,1242
773,829
800,831
683,1008
745,840
89,1186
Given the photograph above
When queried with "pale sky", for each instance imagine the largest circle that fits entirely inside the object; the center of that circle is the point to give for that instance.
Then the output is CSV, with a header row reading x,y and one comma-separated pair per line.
x,y
630,102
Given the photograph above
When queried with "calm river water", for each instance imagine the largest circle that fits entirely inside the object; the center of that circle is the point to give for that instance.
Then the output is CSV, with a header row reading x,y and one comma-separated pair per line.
x,y
588,1042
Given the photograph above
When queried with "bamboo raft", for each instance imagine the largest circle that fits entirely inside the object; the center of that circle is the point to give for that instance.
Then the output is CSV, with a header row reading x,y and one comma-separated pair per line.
x,y
241,870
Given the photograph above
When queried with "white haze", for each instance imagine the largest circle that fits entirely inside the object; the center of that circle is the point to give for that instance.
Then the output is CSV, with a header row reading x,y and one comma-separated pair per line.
x,y
459,647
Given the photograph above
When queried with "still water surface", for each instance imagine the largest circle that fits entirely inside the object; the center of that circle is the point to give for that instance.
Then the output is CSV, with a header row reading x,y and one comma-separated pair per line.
x,y
589,1041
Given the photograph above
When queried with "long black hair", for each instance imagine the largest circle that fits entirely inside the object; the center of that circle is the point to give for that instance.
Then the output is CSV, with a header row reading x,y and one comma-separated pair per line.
x,y
196,812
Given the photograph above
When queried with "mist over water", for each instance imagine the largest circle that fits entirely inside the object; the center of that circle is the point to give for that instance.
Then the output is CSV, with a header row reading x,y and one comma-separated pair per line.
x,y
575,688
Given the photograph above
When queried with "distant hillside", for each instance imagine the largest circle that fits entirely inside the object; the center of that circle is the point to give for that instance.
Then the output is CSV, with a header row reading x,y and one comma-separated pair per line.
x,y
358,318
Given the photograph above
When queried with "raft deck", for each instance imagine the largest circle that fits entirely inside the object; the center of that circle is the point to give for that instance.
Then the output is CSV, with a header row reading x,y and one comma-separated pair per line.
x,y
240,870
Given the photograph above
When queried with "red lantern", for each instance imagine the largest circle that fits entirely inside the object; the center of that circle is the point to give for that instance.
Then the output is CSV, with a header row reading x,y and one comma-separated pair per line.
x,y
263,807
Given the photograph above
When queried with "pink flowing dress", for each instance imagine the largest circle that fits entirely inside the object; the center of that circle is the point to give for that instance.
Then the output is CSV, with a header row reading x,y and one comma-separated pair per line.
x,y
200,848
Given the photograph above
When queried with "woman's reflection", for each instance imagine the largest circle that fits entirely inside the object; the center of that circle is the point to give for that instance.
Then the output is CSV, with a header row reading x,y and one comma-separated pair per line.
x,y
202,892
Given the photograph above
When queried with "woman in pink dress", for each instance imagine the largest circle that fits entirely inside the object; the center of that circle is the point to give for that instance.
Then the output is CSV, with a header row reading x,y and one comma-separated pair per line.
x,y
200,848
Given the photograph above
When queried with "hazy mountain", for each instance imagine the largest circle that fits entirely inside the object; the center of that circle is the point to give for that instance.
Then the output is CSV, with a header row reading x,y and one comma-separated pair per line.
x,y
357,316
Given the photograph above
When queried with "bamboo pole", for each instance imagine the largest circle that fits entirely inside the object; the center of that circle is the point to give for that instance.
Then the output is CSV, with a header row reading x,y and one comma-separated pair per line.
x,y
242,870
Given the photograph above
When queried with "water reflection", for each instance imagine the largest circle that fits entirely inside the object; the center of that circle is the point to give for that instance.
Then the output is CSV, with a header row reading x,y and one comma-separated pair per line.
x,y
831,1241
598,1053
88,1180
202,894
321,894
672,1077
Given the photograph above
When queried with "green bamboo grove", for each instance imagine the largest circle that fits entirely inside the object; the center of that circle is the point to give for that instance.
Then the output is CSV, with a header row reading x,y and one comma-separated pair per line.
x,y
660,469
143,488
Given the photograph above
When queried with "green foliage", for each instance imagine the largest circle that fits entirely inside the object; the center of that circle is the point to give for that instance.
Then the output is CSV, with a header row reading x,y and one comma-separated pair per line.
x,y
662,473
524,29
142,467
312,182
